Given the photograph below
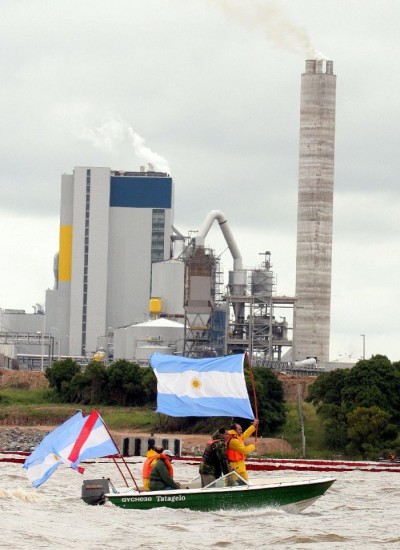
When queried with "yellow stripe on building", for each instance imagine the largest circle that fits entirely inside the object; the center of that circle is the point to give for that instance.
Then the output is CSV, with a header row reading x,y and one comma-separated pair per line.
x,y
65,256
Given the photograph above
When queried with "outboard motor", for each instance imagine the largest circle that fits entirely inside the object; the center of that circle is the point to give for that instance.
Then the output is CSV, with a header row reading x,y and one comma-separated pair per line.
x,y
93,490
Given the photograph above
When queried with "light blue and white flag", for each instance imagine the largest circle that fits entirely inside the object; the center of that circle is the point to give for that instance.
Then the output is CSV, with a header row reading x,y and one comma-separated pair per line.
x,y
214,386
94,441
79,438
45,459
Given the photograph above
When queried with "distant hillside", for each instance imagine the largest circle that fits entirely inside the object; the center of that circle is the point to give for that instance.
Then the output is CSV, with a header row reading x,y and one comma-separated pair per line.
x,y
292,381
24,380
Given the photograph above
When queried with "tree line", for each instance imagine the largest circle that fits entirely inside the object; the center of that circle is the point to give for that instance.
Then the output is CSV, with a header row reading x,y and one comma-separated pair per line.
x,y
124,383
360,408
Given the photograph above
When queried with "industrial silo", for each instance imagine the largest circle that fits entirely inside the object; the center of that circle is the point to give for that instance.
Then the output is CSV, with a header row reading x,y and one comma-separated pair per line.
x,y
155,336
168,282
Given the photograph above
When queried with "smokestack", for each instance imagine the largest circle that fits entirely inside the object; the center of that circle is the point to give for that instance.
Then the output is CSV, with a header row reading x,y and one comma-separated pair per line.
x,y
315,212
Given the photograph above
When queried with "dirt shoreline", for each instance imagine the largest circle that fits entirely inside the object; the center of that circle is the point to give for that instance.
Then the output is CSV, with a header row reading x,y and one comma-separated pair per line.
x,y
25,438
195,443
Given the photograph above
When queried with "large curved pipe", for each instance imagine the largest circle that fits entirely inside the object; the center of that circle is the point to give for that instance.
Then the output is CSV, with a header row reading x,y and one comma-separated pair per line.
x,y
227,233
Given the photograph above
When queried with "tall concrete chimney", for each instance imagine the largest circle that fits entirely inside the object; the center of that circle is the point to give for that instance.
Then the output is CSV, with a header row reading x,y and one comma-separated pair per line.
x,y
315,212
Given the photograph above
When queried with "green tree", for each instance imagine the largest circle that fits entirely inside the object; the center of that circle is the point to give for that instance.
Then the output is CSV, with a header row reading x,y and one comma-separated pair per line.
x,y
369,430
60,374
335,427
327,389
149,383
371,386
372,382
270,400
78,389
92,386
326,395
125,383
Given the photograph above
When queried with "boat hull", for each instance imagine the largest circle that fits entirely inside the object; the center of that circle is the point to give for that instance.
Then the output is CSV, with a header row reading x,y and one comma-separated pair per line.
x,y
295,495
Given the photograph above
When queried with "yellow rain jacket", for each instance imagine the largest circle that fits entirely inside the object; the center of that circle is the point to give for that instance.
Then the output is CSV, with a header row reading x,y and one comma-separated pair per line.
x,y
147,466
237,450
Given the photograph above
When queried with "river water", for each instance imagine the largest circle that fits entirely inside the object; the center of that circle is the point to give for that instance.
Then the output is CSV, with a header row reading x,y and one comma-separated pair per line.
x,y
361,509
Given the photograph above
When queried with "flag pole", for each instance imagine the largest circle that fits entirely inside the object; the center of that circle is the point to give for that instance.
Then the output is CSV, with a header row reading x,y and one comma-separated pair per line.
x,y
121,457
254,389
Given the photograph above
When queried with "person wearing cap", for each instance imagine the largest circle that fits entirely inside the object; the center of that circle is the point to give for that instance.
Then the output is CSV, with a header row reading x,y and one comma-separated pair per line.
x,y
214,463
162,473
236,448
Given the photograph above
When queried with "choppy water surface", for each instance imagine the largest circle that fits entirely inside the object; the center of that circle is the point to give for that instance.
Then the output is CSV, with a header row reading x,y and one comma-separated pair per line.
x,y
360,510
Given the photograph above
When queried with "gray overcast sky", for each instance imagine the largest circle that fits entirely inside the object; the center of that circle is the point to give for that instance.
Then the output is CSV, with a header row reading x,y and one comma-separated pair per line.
x,y
213,87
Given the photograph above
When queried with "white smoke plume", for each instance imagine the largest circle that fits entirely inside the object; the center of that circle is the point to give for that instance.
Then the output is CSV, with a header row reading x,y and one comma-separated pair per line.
x,y
273,22
114,132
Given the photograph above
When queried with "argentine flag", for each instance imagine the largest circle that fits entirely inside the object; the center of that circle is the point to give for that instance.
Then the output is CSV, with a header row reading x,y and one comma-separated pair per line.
x,y
79,438
94,441
214,386
45,459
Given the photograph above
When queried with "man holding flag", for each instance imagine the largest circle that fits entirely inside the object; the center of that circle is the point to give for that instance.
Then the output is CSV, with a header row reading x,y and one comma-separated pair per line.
x,y
237,450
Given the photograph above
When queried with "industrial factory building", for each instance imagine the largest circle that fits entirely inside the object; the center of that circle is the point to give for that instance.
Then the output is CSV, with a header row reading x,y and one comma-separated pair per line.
x,y
113,227
128,283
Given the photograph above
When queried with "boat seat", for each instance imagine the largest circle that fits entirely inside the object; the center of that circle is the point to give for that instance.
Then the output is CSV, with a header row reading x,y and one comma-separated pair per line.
x,y
191,485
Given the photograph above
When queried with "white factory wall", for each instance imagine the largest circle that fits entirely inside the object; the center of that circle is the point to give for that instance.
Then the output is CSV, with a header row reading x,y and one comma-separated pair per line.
x,y
168,283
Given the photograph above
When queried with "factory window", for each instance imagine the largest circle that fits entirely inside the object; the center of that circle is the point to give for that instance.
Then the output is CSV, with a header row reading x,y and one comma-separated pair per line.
x,y
157,235
158,257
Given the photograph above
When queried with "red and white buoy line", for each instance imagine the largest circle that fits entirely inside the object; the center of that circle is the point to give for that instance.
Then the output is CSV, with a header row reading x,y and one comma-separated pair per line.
x,y
276,464
267,464
13,456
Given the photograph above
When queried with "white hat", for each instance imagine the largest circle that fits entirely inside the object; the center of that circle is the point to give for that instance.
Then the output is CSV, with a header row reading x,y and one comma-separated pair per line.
x,y
169,453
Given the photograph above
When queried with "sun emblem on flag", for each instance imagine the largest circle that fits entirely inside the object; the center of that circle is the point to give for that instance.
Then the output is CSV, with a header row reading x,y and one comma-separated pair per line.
x,y
196,384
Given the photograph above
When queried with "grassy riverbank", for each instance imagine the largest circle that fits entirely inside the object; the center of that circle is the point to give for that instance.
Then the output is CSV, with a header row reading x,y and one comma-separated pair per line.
x,y
38,407
313,430
34,407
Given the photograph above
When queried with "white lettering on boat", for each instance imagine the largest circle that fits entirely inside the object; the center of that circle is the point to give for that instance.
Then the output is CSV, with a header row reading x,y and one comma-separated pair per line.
x,y
137,499
159,498
173,498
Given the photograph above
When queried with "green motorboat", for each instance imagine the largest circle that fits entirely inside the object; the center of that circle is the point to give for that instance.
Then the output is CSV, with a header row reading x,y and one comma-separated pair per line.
x,y
196,387
293,493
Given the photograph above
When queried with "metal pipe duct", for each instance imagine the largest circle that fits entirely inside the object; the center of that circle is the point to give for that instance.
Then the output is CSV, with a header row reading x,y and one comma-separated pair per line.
x,y
227,233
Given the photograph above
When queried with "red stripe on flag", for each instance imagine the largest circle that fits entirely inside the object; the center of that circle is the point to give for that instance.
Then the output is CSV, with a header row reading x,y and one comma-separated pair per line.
x,y
82,437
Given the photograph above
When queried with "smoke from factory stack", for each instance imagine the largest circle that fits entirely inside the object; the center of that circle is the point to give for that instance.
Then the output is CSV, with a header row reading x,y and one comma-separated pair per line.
x,y
113,132
315,212
272,21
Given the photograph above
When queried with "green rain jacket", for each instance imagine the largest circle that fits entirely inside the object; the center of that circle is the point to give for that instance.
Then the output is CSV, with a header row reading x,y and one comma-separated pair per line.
x,y
214,461
160,478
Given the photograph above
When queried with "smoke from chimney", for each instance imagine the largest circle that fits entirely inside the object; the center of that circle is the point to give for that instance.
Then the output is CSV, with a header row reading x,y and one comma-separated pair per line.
x,y
274,23
113,132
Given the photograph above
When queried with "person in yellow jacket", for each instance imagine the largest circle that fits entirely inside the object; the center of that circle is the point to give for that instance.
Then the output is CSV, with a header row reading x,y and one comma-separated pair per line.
x,y
148,464
236,450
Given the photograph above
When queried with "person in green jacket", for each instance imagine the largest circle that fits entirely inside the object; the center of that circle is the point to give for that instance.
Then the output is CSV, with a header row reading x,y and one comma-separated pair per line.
x,y
162,474
214,463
